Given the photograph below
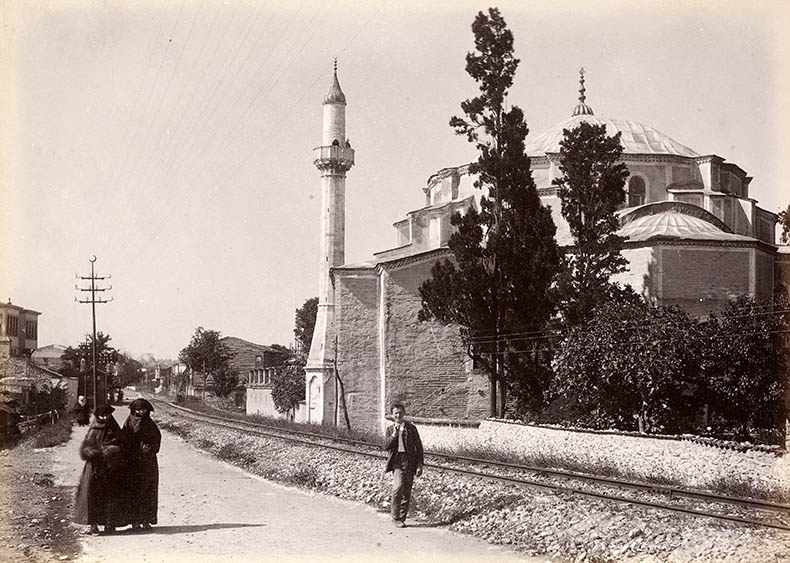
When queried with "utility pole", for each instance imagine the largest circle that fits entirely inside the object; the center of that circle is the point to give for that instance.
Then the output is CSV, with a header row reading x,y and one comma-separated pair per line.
x,y
93,278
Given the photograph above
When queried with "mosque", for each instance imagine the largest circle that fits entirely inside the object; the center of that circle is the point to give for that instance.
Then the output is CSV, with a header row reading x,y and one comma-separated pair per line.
x,y
694,238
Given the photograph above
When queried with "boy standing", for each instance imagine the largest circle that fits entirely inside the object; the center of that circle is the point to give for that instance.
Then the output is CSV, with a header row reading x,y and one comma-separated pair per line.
x,y
405,460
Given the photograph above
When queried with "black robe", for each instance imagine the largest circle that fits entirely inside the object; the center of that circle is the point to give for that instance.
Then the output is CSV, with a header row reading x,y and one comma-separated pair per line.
x,y
82,413
101,495
143,469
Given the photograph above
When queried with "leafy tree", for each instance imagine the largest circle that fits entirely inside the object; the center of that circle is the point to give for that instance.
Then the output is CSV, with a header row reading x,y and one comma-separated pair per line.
x,y
743,367
784,222
591,189
288,387
208,355
305,324
81,356
73,357
130,371
283,353
631,366
504,255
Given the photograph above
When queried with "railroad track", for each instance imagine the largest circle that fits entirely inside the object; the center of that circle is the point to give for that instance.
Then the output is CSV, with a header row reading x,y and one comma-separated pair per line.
x,y
673,499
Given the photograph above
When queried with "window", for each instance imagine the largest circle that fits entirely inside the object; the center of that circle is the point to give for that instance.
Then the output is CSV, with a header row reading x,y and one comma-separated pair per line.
x,y
31,329
258,361
12,326
636,191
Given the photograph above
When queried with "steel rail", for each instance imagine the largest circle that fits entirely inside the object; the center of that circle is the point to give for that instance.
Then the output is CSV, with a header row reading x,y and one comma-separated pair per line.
x,y
228,423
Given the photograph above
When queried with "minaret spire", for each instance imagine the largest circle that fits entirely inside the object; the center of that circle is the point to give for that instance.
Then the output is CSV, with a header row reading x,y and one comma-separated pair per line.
x,y
582,108
333,159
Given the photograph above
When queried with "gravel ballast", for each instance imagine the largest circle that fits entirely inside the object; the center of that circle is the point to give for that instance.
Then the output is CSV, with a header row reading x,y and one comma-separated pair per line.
x,y
535,522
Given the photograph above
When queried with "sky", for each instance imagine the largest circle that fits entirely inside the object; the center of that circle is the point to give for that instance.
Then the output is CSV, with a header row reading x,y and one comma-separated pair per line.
x,y
173,140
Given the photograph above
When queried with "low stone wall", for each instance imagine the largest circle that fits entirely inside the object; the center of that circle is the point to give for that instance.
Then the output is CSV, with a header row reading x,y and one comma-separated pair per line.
x,y
641,457
259,401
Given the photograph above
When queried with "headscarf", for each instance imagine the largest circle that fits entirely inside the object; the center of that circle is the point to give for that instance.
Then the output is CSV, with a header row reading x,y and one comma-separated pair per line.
x,y
81,400
135,420
101,410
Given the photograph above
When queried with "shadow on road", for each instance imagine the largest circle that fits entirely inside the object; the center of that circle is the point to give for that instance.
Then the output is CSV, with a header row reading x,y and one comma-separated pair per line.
x,y
190,528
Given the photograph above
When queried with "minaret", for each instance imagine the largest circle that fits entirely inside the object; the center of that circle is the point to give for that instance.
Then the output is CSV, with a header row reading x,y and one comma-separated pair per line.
x,y
333,159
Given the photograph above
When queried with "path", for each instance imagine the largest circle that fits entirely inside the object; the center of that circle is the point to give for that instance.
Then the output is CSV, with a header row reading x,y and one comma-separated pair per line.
x,y
212,511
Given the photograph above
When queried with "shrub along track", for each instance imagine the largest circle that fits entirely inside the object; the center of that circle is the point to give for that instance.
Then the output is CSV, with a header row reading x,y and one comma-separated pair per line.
x,y
745,511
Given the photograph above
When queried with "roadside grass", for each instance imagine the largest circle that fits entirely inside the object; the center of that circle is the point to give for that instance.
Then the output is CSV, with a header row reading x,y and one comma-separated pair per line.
x,y
744,487
37,512
303,477
281,423
52,435
234,453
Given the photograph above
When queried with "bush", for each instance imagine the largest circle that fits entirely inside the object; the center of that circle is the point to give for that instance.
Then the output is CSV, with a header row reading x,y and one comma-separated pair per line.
x,y
54,435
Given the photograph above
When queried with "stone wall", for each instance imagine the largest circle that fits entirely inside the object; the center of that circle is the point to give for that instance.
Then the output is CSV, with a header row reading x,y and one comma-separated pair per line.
x,y
427,367
644,457
356,322
259,401
703,279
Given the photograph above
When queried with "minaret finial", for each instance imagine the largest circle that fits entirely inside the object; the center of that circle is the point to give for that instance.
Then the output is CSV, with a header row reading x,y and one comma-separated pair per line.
x,y
582,108
335,94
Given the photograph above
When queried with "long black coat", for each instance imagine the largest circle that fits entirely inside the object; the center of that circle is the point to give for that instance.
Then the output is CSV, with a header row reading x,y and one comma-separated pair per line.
x,y
143,469
82,413
101,497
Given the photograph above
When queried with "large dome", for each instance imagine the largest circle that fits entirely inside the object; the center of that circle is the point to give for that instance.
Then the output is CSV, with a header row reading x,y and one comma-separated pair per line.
x,y
636,138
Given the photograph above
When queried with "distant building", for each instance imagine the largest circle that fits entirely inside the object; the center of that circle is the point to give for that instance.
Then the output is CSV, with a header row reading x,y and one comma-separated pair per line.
x,y
255,364
20,325
20,377
49,356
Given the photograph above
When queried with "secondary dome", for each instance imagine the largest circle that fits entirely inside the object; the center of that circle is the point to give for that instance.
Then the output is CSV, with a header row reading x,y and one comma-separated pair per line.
x,y
673,220
636,137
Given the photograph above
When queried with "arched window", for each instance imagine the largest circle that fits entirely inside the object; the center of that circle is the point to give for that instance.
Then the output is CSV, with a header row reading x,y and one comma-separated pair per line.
x,y
636,191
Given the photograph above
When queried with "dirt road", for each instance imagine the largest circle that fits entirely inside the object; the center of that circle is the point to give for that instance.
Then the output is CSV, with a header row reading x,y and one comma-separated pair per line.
x,y
212,511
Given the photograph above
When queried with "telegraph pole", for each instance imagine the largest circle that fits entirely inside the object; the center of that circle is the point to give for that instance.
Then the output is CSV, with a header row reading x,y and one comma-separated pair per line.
x,y
93,278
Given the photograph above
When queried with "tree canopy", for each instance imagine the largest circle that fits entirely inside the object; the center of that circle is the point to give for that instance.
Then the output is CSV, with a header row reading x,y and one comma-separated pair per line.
x,y
288,387
591,189
79,357
504,254
630,367
304,324
207,354
784,224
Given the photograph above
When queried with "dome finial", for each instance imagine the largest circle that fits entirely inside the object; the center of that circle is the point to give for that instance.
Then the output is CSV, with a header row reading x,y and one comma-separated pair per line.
x,y
335,65
582,108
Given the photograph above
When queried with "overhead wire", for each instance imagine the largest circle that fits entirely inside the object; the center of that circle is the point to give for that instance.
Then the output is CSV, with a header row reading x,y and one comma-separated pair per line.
x,y
153,205
114,179
124,195
624,325
193,184
141,209
631,343
211,136
188,131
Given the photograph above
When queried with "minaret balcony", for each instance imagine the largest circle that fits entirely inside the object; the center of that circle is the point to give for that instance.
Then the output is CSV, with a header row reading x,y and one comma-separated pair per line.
x,y
333,157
